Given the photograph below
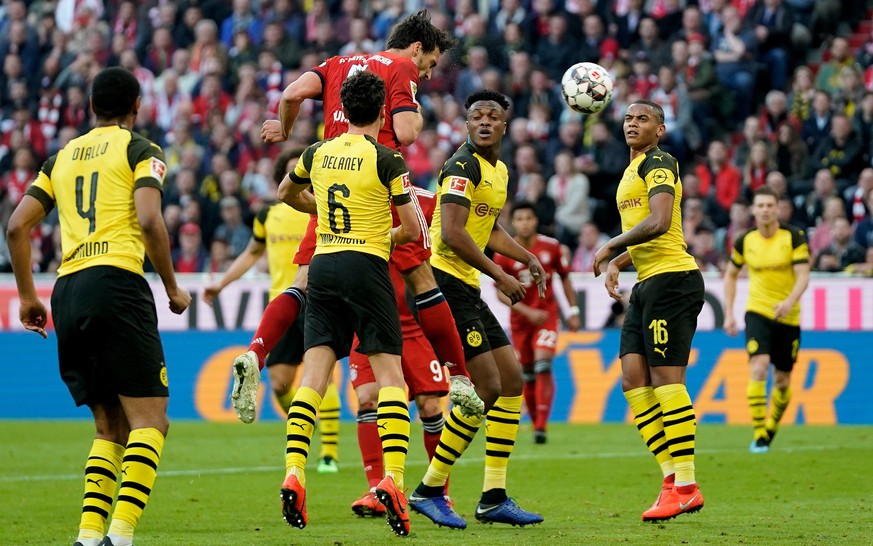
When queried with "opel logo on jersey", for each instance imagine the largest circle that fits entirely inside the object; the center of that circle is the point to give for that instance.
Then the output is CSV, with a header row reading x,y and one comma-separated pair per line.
x,y
661,176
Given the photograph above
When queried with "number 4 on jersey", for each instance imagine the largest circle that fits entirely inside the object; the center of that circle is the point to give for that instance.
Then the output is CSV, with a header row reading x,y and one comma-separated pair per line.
x,y
91,213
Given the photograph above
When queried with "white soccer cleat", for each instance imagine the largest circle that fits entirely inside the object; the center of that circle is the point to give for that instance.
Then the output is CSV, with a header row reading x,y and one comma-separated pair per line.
x,y
463,395
246,377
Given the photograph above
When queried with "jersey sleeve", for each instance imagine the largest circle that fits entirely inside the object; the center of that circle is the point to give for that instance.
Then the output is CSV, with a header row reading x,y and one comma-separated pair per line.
x,y
259,229
323,71
300,174
661,172
458,178
147,162
799,246
41,189
737,251
393,174
403,88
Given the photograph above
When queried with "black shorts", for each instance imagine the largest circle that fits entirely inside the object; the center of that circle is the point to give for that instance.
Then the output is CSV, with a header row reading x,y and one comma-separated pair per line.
x,y
661,318
289,350
766,336
351,293
478,327
108,342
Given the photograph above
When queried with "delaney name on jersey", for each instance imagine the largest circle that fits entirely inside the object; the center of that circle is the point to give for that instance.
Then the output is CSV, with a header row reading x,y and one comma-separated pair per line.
x,y
342,163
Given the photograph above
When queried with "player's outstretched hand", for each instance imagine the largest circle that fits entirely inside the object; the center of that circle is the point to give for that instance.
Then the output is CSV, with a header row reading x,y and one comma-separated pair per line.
x,y
271,132
611,281
781,310
33,316
511,287
180,299
538,274
730,325
211,292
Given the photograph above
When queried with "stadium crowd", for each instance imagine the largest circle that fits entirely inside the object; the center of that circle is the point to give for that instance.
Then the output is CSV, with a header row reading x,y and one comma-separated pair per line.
x,y
750,100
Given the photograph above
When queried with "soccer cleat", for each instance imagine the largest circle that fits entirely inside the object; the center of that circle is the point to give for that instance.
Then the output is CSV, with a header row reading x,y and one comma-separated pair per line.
x,y
368,506
674,503
539,436
246,376
294,502
116,540
438,510
327,465
395,506
463,394
666,491
506,512
87,542
760,445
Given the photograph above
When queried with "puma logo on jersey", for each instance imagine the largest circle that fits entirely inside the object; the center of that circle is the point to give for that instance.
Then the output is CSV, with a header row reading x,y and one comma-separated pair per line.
x,y
662,352
461,164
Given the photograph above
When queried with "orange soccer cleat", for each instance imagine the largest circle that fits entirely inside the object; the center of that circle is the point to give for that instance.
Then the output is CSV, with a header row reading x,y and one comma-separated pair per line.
x,y
368,506
679,500
294,502
395,506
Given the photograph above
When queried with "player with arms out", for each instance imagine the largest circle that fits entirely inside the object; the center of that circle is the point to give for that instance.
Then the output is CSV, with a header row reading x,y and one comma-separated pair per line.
x,y
278,230
355,179
662,312
777,257
413,49
106,185
533,322
473,186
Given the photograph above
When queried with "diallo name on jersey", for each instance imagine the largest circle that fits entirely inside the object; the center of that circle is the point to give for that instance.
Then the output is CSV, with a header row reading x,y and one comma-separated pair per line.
x,y
90,152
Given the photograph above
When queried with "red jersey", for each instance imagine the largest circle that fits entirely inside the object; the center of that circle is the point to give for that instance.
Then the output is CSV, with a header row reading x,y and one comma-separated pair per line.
x,y
548,251
401,82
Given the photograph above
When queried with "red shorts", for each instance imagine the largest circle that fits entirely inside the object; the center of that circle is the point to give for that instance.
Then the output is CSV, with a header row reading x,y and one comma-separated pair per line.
x,y
307,246
409,256
422,370
531,338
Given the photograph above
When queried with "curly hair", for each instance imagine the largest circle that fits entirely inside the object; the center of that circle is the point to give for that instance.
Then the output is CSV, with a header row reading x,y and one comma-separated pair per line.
x,y
418,28
487,94
363,97
114,93
279,167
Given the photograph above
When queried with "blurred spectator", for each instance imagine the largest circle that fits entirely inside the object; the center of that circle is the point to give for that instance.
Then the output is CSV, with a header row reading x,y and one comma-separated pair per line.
x,y
650,43
740,221
557,51
569,190
810,206
772,23
786,212
590,239
751,133
818,125
470,77
842,252
704,251
757,168
733,49
720,181
15,182
526,163
243,18
189,257
681,135
535,192
510,12
775,112
232,229
864,228
856,196
359,39
848,96
864,268
802,94
822,234
791,152
840,152
828,77
219,256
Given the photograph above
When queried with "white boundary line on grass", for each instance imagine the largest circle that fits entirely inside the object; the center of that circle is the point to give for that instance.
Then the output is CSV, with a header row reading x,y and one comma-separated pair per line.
x,y
463,461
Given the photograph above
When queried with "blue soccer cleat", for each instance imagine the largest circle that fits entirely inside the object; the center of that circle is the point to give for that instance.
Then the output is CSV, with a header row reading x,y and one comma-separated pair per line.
x,y
438,510
761,445
507,512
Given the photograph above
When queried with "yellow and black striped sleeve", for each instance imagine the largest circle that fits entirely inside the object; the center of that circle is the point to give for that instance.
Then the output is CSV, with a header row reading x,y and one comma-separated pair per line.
x,y
459,177
799,245
737,257
147,162
259,229
393,174
42,189
660,171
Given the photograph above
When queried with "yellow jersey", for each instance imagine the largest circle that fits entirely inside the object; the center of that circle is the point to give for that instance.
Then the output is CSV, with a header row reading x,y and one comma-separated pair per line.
x,y
280,228
771,262
355,179
649,174
92,180
470,180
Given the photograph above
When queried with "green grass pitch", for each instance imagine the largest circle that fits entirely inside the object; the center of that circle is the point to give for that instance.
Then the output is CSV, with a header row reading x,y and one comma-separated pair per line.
x,y
218,484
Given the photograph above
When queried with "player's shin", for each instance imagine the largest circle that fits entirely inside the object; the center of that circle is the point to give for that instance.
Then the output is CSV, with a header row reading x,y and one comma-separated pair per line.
x,y
680,426
328,415
371,446
501,433
439,328
279,315
649,421
299,428
779,400
393,424
101,475
457,434
756,394
138,472
544,392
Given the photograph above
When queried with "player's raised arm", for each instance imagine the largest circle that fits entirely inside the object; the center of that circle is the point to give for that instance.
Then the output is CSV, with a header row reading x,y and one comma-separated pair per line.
x,y
307,86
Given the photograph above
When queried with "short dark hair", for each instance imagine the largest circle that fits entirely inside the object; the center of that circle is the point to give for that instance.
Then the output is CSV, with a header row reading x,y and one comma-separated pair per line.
x,y
487,94
114,93
363,97
418,28
523,205
659,112
766,190
279,169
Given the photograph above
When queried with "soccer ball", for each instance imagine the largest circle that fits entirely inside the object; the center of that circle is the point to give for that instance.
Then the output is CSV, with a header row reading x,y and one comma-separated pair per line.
x,y
586,87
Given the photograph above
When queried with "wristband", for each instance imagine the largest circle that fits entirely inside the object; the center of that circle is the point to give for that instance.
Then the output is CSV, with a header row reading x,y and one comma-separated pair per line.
x,y
574,311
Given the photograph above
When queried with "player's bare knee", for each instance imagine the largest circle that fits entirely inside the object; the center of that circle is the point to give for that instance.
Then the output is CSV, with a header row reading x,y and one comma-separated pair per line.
x,y
759,366
368,396
428,406
781,380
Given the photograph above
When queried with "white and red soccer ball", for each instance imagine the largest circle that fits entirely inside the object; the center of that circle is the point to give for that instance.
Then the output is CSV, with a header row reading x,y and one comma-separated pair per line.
x,y
587,88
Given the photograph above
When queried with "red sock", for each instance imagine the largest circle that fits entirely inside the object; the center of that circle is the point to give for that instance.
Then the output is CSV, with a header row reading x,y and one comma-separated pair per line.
x,y
371,447
439,328
279,315
545,395
530,397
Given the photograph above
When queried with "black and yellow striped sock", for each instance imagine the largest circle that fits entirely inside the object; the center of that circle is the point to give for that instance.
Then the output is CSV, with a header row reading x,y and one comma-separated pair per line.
x,y
285,399
392,421
298,429
457,434
328,424
680,426
501,430
649,421
139,468
101,477
779,400
756,393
